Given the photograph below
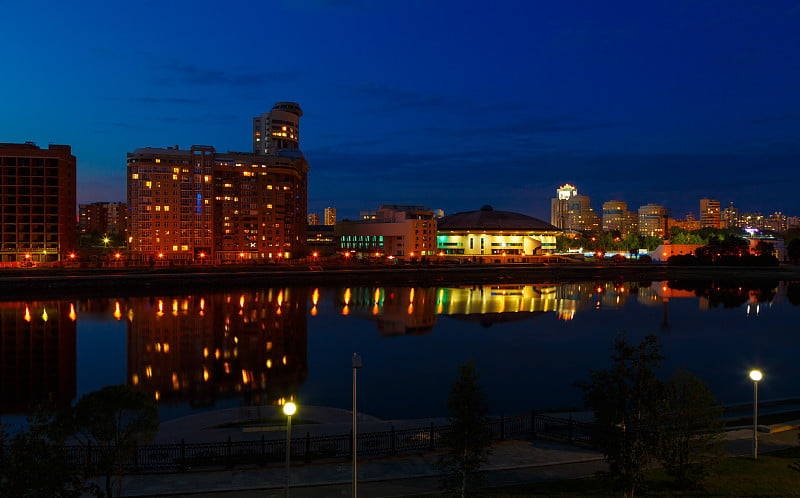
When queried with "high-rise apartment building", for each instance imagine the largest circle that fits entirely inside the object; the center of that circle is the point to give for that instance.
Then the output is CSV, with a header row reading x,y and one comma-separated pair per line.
x,y
709,213
652,220
617,217
730,217
196,204
559,207
102,217
37,199
580,215
330,216
313,218
278,129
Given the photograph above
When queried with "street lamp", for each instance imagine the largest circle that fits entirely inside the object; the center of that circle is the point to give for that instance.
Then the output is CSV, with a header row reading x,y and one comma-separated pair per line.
x,y
356,366
755,376
288,409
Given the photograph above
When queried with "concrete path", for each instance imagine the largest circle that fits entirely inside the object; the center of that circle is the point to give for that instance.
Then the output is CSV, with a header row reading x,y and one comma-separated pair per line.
x,y
511,462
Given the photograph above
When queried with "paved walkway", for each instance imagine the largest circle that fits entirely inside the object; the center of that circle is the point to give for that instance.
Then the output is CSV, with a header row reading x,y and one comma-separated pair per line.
x,y
511,462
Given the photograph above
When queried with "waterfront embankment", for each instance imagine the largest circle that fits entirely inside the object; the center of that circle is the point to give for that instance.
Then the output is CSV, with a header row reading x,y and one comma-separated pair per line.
x,y
108,282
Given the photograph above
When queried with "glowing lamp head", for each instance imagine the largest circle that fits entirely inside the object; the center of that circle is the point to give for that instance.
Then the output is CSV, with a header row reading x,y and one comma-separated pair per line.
x,y
289,409
117,255
756,375
106,240
72,255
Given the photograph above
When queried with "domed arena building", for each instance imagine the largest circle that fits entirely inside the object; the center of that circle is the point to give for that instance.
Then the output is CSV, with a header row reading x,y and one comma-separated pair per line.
x,y
490,236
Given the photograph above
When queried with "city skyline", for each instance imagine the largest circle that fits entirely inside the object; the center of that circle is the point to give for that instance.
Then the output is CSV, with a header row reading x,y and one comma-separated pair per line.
x,y
416,103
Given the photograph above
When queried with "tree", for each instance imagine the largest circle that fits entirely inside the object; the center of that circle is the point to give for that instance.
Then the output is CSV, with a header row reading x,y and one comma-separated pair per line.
x,y
34,462
793,250
469,438
691,438
625,400
114,420
764,248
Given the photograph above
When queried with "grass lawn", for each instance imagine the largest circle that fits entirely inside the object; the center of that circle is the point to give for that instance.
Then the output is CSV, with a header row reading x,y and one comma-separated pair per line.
x,y
770,475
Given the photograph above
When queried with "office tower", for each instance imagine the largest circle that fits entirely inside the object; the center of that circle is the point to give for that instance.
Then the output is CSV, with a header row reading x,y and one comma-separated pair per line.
x,y
37,198
278,129
330,216
652,220
580,215
617,217
102,217
709,213
189,205
313,218
559,208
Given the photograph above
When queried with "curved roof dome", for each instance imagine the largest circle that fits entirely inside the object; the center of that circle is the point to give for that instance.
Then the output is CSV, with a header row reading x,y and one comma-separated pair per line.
x,y
488,219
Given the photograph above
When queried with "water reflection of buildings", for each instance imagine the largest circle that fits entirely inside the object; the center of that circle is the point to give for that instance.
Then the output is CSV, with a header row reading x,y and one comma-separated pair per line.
x,y
395,310
37,354
413,310
200,348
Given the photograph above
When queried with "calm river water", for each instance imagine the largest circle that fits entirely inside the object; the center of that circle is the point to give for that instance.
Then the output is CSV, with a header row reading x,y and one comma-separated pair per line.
x,y
530,344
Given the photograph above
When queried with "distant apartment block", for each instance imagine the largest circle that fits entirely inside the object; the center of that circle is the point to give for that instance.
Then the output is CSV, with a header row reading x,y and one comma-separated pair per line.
x,y
102,218
313,218
330,216
196,204
709,213
37,199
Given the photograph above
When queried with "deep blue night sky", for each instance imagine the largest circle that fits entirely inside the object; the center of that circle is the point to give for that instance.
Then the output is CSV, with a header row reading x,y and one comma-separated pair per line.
x,y
450,104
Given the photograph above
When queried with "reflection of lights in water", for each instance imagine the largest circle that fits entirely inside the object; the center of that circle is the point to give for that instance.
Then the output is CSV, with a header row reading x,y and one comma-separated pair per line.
x,y
27,314
160,308
117,311
346,310
205,352
166,347
205,374
411,295
375,309
174,307
377,295
130,314
202,304
135,379
72,315
44,314
148,371
157,395
269,363
315,297
216,353
241,301
284,359
347,295
280,298
411,308
314,311
269,345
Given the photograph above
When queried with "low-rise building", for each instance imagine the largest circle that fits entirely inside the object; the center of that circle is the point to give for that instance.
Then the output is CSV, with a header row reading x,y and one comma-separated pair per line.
x,y
487,235
396,232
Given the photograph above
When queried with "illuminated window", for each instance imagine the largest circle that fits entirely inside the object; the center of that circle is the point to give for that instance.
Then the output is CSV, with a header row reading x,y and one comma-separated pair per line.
x,y
166,208
175,248
158,160
135,176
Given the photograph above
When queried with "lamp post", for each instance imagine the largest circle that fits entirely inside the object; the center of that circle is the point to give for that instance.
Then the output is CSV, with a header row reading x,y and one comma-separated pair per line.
x,y
356,366
288,409
755,376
